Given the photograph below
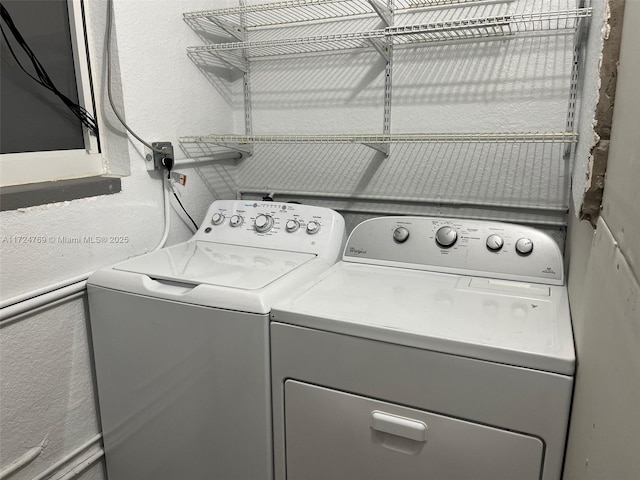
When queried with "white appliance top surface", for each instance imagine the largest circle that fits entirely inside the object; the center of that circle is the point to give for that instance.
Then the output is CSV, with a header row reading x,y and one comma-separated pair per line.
x,y
246,256
510,322
234,266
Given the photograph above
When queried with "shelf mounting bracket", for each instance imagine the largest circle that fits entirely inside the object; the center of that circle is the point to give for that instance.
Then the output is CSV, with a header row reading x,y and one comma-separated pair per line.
x,y
233,29
381,46
234,61
245,148
383,11
381,147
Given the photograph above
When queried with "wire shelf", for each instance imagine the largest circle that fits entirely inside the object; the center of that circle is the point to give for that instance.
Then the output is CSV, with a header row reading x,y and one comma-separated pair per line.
x,y
290,46
562,21
513,175
387,139
298,11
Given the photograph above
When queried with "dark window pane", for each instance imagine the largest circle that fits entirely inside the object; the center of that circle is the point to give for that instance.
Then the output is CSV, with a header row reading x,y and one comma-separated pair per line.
x,y
33,118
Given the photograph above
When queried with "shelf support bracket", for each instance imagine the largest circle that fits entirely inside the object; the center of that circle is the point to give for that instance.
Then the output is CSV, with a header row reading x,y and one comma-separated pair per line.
x,y
234,61
381,46
245,148
380,147
383,11
233,29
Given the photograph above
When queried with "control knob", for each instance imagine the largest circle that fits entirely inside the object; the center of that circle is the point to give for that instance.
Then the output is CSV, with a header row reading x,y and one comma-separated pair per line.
x,y
217,219
236,220
524,246
313,227
400,234
292,225
263,223
446,236
495,242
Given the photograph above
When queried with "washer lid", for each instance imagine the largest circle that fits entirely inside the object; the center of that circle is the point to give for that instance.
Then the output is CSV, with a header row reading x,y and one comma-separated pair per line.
x,y
234,266
508,322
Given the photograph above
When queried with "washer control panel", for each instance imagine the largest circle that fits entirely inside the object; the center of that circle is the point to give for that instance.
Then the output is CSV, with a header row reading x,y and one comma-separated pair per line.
x,y
472,247
281,226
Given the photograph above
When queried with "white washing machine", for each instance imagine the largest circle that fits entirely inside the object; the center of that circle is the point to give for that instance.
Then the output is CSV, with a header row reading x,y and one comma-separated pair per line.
x,y
436,349
181,341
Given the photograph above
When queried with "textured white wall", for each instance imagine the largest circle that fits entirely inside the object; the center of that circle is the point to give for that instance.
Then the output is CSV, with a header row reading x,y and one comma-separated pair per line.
x,y
46,384
47,389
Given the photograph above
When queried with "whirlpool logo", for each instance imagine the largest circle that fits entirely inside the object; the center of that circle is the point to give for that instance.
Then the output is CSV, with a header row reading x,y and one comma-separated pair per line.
x,y
357,251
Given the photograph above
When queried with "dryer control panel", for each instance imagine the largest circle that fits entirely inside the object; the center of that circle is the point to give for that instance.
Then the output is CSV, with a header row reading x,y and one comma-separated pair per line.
x,y
469,247
280,226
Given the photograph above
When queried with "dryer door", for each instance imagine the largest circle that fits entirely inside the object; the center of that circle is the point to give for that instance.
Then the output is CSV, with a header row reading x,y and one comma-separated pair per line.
x,y
338,436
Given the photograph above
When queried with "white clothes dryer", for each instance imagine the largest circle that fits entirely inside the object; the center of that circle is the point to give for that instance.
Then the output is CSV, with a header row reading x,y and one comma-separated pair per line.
x,y
181,341
436,349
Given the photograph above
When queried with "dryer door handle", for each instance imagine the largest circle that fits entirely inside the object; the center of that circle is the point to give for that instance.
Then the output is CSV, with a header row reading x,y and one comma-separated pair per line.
x,y
399,426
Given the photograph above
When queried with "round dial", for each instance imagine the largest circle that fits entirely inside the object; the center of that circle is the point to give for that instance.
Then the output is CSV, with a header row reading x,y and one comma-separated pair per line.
x,y
236,220
217,218
400,234
495,242
313,227
263,223
292,225
446,236
524,246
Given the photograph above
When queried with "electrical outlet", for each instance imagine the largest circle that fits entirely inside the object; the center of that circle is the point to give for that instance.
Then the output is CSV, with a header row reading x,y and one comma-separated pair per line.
x,y
155,157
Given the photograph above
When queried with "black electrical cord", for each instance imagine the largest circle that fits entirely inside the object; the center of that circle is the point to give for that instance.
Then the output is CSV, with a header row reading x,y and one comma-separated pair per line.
x,y
185,210
42,77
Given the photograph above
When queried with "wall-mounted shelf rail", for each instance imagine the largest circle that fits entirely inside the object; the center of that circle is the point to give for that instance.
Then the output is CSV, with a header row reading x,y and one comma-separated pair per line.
x,y
562,21
298,11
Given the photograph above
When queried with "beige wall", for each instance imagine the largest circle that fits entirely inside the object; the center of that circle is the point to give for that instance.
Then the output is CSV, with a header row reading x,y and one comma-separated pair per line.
x,y
604,437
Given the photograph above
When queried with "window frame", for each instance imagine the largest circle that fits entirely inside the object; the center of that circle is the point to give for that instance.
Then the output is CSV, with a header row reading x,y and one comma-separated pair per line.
x,y
47,166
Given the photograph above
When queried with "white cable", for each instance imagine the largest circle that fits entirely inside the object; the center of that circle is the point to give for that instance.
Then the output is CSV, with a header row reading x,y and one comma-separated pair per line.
x,y
25,459
108,61
165,234
67,458
167,216
82,466
48,299
43,290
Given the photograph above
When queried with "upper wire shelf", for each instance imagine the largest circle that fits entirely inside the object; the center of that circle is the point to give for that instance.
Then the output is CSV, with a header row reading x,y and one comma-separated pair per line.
x,y
471,28
297,11
517,137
